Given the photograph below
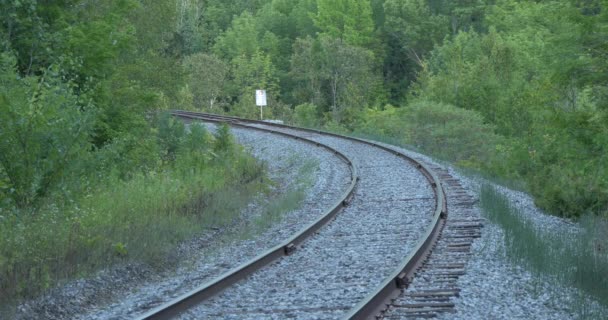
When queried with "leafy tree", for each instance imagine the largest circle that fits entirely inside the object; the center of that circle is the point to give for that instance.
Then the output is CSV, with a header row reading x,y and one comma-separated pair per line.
x,y
251,66
207,79
32,30
302,16
482,73
154,22
250,74
414,28
349,20
411,30
463,15
240,39
306,69
532,76
348,73
344,71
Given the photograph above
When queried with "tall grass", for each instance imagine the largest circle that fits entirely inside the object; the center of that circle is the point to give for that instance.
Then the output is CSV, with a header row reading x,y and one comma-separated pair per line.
x,y
141,219
578,260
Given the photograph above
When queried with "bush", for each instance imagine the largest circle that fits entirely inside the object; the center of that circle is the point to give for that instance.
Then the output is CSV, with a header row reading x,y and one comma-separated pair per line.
x,y
383,122
307,115
44,133
438,129
563,162
171,132
224,142
449,132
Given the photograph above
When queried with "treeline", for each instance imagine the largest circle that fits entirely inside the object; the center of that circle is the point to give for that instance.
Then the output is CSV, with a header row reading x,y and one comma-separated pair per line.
x,y
517,89
514,88
81,81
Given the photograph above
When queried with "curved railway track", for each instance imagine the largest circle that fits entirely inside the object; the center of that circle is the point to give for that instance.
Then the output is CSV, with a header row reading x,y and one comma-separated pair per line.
x,y
355,266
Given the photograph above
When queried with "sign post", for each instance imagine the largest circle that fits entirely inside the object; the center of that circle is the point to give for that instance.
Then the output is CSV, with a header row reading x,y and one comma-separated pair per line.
x,y
260,100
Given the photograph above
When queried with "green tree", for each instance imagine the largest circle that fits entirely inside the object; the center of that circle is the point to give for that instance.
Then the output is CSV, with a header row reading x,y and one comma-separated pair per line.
x,y
32,30
207,78
333,71
411,30
533,76
240,39
414,28
302,16
306,70
250,55
350,20
250,74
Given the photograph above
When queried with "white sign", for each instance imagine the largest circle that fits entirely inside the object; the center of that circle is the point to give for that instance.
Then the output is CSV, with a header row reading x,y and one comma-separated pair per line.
x,y
260,98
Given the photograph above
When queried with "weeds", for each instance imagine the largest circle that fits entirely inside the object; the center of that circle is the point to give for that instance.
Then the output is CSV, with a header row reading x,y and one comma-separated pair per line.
x,y
573,259
141,219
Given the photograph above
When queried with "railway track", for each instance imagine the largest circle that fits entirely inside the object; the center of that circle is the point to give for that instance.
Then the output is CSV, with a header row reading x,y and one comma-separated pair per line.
x,y
359,264
435,287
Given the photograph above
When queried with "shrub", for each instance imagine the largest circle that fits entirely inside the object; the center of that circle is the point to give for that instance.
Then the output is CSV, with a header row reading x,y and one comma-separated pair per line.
x,y
171,132
449,132
43,128
307,115
438,129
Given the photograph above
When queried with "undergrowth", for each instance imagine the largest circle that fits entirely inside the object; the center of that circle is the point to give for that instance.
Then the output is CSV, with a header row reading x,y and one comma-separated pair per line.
x,y
140,219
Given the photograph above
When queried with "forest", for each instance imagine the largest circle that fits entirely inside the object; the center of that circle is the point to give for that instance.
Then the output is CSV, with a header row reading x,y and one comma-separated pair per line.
x,y
514,90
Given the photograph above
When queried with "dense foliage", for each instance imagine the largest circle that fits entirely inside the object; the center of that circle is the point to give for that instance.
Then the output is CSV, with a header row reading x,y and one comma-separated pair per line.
x,y
517,89
92,172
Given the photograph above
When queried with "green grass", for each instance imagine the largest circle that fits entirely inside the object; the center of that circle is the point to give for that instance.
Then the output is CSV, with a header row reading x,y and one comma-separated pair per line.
x,y
578,260
139,220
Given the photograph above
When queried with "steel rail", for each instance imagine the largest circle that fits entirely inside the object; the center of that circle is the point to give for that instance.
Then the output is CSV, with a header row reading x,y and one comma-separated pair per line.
x,y
209,289
373,305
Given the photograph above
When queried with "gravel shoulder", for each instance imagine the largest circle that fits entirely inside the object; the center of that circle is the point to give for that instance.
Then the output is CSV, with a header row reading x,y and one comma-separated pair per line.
x,y
494,287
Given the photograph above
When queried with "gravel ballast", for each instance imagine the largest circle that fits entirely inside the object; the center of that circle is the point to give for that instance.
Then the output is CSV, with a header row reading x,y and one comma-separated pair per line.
x,y
336,268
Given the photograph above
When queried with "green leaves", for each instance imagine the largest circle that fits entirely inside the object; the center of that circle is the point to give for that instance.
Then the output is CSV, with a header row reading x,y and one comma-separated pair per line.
x,y
334,75
120,249
413,27
528,73
350,20
208,80
45,131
